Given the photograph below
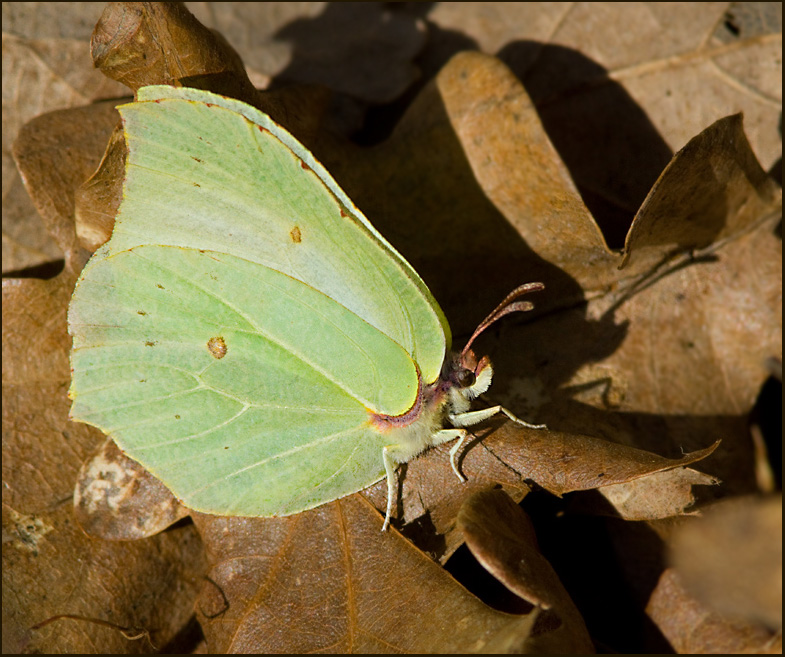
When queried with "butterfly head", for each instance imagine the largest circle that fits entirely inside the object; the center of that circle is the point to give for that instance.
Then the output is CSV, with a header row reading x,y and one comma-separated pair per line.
x,y
466,373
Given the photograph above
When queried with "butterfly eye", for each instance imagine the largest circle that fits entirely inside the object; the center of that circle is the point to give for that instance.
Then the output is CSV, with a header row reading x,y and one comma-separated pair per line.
x,y
465,378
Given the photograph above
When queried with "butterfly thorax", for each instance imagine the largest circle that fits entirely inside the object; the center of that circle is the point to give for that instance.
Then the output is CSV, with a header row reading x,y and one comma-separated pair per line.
x,y
463,377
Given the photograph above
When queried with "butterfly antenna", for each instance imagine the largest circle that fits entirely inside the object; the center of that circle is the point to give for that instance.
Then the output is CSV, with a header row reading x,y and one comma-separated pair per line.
x,y
509,305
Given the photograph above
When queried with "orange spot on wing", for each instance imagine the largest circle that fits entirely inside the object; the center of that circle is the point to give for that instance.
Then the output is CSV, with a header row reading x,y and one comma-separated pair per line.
x,y
217,347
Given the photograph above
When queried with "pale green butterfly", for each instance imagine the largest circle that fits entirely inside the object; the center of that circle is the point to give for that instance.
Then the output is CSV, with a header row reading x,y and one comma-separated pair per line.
x,y
246,334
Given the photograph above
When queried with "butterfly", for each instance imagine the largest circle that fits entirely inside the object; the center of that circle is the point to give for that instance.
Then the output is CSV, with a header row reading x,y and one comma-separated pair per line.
x,y
246,334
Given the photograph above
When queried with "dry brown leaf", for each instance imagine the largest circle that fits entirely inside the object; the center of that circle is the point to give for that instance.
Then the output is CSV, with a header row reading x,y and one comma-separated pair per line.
x,y
713,189
491,113
638,365
38,440
591,69
97,199
731,559
692,628
430,495
502,538
659,495
328,580
117,499
50,567
135,42
55,153
562,463
45,67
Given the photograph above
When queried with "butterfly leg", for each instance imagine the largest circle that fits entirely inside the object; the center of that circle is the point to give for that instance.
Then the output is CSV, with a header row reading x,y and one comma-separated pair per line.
x,y
389,467
445,436
471,418
393,455
475,417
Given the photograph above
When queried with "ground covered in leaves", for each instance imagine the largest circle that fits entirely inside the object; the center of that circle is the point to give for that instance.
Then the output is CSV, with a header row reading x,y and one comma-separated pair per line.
x,y
598,148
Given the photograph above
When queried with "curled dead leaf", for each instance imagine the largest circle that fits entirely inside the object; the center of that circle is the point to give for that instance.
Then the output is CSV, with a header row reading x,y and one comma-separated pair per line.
x,y
134,42
656,495
713,188
691,628
98,198
502,538
561,463
55,153
730,559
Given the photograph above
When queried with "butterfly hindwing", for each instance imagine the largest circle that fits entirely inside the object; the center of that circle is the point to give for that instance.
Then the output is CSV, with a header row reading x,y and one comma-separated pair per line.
x,y
246,391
